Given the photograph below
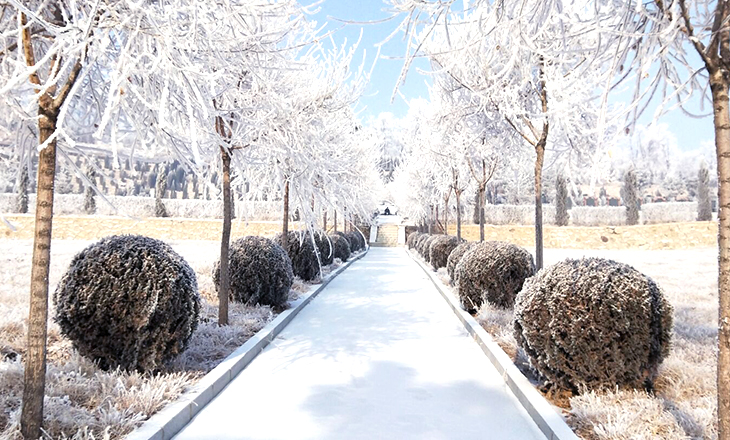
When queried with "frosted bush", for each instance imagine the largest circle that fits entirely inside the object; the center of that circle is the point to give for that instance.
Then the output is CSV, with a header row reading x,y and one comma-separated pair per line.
x,y
260,272
128,301
492,271
144,207
598,216
593,324
341,246
516,214
324,246
670,212
412,238
440,250
455,256
300,249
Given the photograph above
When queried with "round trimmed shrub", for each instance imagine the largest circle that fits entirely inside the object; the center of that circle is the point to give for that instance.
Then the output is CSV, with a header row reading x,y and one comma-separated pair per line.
x,y
354,239
455,257
301,252
419,242
341,246
426,248
441,247
260,272
128,301
492,271
412,238
593,324
324,245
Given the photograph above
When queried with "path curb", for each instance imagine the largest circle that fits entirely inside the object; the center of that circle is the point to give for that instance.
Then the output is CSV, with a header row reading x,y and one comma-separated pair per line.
x,y
542,413
172,418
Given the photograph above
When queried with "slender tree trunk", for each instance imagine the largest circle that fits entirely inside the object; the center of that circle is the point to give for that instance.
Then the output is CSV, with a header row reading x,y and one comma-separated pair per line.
x,y
481,195
437,218
225,280
285,228
35,358
540,149
458,214
430,219
446,215
722,145
324,220
335,219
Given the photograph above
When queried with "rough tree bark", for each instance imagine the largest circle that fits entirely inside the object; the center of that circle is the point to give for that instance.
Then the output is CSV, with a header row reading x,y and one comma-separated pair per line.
x,y
540,150
716,57
49,107
225,280
719,87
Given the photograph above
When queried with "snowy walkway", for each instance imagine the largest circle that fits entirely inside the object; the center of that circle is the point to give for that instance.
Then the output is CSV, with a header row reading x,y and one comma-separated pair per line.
x,y
377,355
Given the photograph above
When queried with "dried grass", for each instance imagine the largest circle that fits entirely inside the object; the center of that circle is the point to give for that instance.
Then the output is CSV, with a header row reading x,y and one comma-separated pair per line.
x,y
684,403
82,401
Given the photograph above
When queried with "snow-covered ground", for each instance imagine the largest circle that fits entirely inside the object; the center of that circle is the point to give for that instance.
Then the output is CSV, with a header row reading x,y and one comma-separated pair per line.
x,y
685,402
78,393
377,355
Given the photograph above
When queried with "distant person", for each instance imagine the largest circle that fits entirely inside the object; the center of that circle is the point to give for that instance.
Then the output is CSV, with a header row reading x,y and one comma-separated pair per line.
x,y
387,211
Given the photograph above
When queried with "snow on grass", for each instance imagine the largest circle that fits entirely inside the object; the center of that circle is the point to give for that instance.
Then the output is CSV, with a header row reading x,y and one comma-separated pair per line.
x,y
84,402
684,404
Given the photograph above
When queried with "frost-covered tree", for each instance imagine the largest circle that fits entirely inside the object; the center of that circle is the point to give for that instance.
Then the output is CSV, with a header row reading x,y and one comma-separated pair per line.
x,y
89,193
160,189
21,202
525,65
630,196
561,201
704,206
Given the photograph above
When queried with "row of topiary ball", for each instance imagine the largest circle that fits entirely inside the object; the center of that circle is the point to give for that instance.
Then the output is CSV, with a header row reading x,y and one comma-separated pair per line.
x,y
132,302
584,324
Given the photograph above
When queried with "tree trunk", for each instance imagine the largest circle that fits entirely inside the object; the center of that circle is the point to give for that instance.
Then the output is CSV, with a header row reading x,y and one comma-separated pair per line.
x,y
446,216
481,194
437,218
31,417
324,221
458,214
722,145
225,280
540,149
335,219
285,227
430,220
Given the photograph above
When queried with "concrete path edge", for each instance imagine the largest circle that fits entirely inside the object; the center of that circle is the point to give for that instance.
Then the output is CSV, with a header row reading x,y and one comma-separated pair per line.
x,y
540,410
164,424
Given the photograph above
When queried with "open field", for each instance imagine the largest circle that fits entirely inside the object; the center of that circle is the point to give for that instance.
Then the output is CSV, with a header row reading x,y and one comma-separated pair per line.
x,y
109,403
660,236
684,404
